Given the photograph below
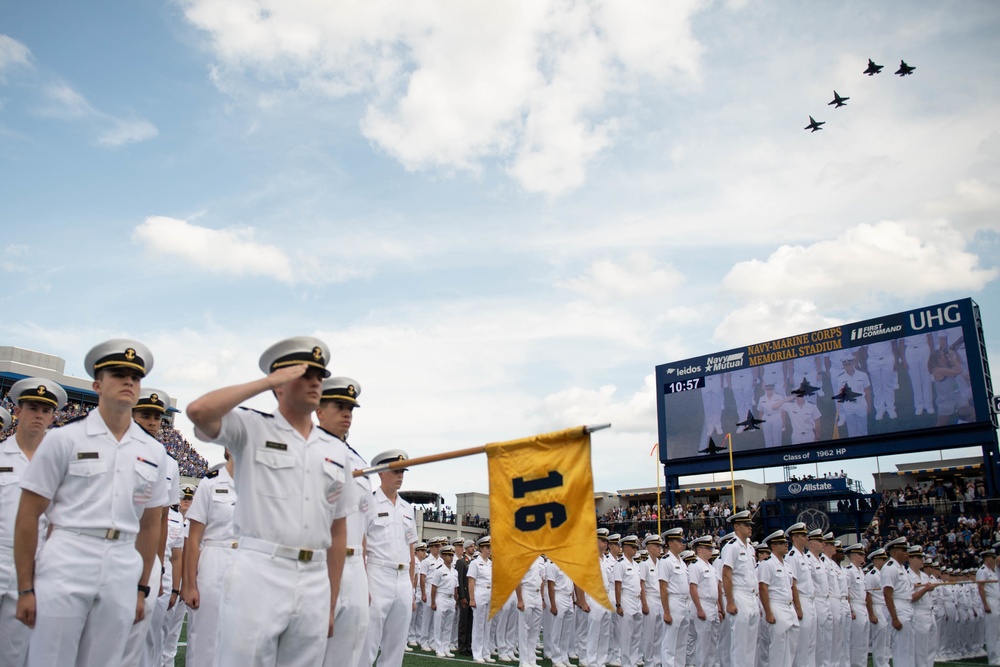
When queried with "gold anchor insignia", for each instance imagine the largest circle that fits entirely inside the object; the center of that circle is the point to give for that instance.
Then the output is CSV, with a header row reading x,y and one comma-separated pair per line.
x,y
41,390
154,398
130,354
350,390
317,353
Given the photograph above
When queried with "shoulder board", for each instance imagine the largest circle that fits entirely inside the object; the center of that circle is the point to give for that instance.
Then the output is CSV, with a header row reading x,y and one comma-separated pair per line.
x,y
70,421
212,474
262,414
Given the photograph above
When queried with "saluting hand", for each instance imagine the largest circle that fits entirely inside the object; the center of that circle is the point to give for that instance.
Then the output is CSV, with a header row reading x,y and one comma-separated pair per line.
x,y
286,374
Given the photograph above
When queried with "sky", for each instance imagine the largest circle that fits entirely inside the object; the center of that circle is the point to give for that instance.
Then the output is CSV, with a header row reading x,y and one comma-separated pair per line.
x,y
499,216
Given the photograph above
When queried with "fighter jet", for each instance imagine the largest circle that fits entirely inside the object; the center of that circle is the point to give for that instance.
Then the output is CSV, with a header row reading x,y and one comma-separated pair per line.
x,y
904,69
750,424
814,124
805,389
838,100
847,395
873,68
712,448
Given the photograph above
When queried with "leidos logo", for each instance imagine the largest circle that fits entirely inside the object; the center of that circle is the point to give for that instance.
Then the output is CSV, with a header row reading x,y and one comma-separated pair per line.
x,y
687,370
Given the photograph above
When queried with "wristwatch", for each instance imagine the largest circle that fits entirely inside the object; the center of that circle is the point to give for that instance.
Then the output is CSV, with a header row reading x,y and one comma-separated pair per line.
x,y
144,590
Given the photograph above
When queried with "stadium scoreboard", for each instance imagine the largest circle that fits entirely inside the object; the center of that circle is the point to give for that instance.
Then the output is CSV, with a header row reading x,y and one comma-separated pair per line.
x,y
905,382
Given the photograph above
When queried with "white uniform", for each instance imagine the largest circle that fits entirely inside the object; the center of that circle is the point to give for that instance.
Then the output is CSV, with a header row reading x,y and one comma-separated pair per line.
x,y
673,572
85,585
711,397
739,557
425,624
742,381
137,646
799,565
14,635
706,579
769,409
481,570
445,579
879,632
291,489
881,367
213,506
174,618
530,620
802,419
564,622
153,642
652,630
859,627
350,626
783,634
853,413
917,353
903,640
599,620
629,576
991,620
391,532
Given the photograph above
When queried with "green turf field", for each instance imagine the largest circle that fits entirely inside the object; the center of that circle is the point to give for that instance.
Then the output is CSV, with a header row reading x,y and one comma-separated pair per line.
x,y
421,659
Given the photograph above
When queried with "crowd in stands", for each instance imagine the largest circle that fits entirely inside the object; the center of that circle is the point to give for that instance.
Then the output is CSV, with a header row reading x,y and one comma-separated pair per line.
x,y
191,463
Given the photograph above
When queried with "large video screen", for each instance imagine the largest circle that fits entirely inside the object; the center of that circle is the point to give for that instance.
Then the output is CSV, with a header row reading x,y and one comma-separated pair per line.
x,y
900,373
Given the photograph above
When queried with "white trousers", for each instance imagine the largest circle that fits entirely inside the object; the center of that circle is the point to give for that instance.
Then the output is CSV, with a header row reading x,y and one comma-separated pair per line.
x,y
706,640
563,624
904,640
859,630
879,639
388,616
528,626
992,628
805,651
442,622
784,635
14,635
350,624
203,623
598,633
85,591
138,634
172,633
481,643
743,628
824,633
631,637
924,649
673,649
652,633
296,598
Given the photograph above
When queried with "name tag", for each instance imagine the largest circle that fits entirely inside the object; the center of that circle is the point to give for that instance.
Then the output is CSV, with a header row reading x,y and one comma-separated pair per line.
x,y
222,490
7,469
87,455
382,514
280,446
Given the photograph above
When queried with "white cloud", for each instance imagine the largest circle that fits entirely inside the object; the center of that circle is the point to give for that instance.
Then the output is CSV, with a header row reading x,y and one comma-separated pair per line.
x,y
579,405
765,320
12,54
231,251
537,85
65,103
637,276
128,132
865,262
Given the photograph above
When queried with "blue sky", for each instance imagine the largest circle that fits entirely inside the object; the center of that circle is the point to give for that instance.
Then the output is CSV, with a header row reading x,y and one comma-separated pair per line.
x,y
499,216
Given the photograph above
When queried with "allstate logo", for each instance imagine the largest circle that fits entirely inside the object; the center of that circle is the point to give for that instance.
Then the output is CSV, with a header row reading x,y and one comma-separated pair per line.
x,y
795,488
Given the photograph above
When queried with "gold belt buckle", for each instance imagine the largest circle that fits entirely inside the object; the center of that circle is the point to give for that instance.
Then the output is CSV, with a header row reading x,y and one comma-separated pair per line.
x,y
400,566
350,551
305,555
112,534
235,544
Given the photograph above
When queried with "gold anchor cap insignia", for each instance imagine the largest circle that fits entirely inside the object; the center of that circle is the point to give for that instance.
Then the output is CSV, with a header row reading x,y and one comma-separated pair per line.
x,y
317,353
130,354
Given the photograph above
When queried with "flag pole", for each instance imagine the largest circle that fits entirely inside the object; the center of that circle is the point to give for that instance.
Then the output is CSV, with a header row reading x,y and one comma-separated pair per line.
x,y
444,456
659,519
732,473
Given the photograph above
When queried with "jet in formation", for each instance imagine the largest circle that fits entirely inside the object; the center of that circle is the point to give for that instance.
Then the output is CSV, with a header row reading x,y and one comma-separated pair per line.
x,y
904,69
814,124
873,68
847,395
750,424
838,100
805,389
712,448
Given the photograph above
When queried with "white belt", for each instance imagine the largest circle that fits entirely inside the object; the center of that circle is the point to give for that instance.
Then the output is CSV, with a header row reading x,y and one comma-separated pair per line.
x,y
7,542
281,551
222,544
745,591
388,564
101,533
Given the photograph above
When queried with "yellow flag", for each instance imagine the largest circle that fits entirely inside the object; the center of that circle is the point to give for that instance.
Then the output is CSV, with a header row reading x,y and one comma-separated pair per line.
x,y
542,501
